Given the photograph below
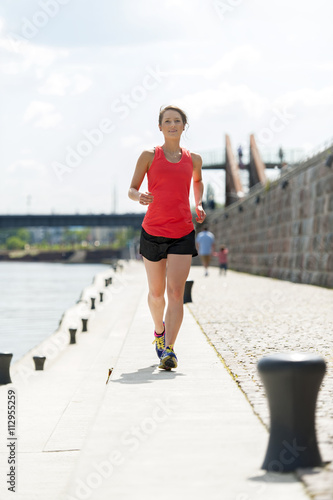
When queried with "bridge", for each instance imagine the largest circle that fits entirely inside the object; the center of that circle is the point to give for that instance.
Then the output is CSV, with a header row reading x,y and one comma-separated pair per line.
x,y
215,159
64,220
254,161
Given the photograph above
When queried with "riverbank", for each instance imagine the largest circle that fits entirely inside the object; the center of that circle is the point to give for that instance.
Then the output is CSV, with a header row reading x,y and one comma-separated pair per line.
x,y
33,298
89,256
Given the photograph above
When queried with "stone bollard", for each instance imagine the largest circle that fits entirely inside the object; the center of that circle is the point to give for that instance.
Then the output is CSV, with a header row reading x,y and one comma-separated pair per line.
x,y
101,296
187,292
84,324
5,359
292,383
39,362
92,302
72,333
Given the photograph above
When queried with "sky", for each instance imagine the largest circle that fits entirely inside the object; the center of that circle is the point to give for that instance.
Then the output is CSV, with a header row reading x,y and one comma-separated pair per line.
x,y
82,83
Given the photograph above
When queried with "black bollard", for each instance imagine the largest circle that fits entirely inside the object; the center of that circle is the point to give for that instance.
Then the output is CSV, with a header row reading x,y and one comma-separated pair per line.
x,y
101,296
108,281
39,362
187,292
292,383
84,324
72,333
92,302
5,359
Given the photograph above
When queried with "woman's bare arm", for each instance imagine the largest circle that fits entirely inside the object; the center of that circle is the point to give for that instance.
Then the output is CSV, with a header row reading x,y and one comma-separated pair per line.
x,y
198,187
142,167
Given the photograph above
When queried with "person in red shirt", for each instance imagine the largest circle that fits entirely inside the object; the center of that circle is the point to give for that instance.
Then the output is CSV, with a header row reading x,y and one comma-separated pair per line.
x,y
167,241
223,259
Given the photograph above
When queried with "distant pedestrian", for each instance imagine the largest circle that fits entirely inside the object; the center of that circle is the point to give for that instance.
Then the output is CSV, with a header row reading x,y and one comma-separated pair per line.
x,y
240,156
205,245
223,259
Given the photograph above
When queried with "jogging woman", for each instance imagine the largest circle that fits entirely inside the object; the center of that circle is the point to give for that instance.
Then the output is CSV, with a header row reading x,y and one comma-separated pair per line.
x,y
167,241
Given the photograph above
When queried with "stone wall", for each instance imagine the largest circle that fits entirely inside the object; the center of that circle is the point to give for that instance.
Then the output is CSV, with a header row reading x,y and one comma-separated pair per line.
x,y
285,229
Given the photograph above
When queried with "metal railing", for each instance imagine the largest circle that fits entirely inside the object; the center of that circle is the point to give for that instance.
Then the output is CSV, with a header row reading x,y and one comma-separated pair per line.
x,y
291,156
328,144
213,157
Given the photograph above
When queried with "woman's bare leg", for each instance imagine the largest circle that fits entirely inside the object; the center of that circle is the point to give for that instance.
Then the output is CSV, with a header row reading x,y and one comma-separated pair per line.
x,y
178,268
156,274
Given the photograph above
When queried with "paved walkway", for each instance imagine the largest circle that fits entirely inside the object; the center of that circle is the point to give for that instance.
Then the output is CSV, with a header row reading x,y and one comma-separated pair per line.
x,y
148,433
246,317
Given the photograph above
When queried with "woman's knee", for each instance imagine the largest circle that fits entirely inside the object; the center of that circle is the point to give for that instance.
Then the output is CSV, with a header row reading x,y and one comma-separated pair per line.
x,y
175,293
157,295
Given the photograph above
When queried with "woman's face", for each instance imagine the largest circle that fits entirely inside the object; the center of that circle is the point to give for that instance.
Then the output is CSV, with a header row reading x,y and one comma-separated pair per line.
x,y
172,124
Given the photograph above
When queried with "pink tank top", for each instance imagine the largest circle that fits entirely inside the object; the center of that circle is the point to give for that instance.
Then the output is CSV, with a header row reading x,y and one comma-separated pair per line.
x,y
169,215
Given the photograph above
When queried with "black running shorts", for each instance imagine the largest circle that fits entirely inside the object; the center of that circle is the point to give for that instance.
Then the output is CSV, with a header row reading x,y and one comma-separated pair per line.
x,y
155,248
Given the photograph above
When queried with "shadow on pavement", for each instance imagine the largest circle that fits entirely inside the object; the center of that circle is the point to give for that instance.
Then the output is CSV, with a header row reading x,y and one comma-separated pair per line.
x,y
275,477
146,376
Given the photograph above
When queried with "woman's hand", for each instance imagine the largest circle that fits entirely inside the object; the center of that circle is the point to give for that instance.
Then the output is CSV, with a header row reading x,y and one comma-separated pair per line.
x,y
146,198
200,213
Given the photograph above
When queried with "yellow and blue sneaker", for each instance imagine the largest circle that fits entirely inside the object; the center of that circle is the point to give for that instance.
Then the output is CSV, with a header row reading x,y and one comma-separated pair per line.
x,y
159,342
168,359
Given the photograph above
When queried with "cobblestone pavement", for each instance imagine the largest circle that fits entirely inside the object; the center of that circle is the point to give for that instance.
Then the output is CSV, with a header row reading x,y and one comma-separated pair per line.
x,y
246,317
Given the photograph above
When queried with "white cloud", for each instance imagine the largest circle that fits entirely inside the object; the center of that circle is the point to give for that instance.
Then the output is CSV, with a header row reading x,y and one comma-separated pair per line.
x,y
55,84
43,115
26,166
240,57
20,55
29,55
37,108
214,100
49,121
60,84
325,66
308,97
80,84
130,141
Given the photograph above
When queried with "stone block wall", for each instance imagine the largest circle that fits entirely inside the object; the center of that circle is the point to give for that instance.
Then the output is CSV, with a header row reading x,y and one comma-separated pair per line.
x,y
283,230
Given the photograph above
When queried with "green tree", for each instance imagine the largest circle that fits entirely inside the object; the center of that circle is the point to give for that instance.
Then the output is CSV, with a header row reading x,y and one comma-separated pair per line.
x,y
123,236
24,235
75,236
83,234
15,243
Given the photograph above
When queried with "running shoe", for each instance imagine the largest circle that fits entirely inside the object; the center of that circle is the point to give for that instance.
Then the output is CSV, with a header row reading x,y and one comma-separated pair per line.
x,y
168,359
159,342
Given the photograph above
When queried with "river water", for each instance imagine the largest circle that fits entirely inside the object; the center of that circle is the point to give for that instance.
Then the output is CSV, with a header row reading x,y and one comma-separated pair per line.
x,y
33,297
